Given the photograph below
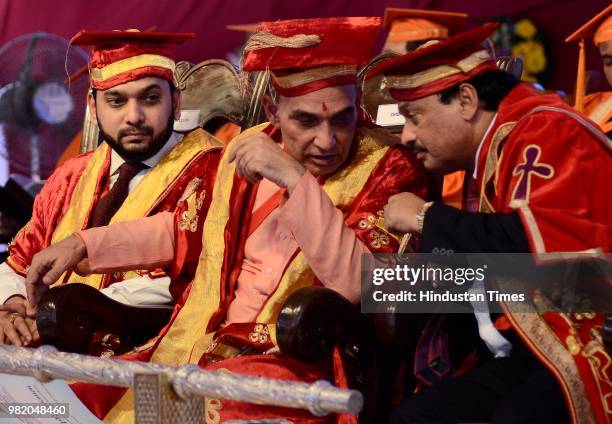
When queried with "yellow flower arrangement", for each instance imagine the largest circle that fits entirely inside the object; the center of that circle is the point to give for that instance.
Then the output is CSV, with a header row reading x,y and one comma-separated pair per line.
x,y
525,28
534,58
526,43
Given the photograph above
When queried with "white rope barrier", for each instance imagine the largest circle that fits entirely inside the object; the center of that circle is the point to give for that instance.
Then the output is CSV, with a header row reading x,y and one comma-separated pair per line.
x,y
46,363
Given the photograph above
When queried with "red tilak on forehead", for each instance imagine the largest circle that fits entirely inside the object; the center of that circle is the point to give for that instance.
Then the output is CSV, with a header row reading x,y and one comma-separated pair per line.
x,y
324,107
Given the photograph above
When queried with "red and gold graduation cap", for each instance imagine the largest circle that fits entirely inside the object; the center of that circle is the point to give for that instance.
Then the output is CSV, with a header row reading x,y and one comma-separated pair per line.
x,y
118,57
417,24
600,29
436,66
305,55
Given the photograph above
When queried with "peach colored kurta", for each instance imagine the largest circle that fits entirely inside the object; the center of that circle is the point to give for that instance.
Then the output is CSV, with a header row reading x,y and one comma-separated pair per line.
x,y
306,220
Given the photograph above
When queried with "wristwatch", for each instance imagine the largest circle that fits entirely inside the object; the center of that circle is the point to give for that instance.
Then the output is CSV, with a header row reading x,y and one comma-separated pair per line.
x,y
420,217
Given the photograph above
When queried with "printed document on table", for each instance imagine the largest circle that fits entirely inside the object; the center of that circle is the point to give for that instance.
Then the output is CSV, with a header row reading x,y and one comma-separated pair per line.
x,y
16,389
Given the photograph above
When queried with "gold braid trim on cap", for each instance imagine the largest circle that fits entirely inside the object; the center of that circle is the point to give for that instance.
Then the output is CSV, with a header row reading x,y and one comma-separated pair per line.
x,y
129,64
437,72
315,74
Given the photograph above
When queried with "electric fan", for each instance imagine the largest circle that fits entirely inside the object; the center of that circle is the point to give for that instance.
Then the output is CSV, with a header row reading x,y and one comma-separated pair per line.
x,y
39,113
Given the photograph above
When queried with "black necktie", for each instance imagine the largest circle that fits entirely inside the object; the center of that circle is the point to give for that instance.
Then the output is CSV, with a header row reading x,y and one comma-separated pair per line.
x,y
110,203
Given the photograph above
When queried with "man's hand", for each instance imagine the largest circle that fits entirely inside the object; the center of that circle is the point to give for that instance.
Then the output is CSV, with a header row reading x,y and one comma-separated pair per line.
x,y
15,327
260,157
49,264
401,211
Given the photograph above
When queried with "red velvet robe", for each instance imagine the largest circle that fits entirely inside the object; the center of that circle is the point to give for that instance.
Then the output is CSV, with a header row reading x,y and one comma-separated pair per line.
x,y
394,170
198,165
554,166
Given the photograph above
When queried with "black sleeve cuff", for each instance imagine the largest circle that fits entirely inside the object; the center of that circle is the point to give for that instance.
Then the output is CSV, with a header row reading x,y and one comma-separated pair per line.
x,y
446,227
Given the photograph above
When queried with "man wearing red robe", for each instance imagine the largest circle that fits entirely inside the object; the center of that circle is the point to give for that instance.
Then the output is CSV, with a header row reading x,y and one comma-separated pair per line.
x,y
142,168
539,172
296,202
410,29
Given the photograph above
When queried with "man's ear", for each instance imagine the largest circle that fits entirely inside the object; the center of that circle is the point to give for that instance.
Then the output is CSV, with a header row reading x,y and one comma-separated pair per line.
x,y
176,104
468,101
91,102
271,110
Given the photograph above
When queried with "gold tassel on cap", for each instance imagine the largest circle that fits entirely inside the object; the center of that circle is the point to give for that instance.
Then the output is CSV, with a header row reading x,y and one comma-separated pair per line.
x,y
264,40
580,79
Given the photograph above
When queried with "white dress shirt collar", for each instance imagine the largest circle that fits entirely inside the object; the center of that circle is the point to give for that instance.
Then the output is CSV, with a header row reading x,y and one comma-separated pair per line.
x,y
117,160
